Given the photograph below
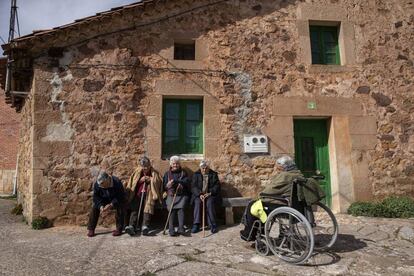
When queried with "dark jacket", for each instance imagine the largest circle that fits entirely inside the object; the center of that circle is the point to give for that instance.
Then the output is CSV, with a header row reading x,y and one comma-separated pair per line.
x,y
281,185
213,184
180,177
114,195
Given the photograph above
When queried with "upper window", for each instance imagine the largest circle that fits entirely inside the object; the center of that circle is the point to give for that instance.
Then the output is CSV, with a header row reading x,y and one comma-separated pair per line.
x,y
184,50
324,45
182,127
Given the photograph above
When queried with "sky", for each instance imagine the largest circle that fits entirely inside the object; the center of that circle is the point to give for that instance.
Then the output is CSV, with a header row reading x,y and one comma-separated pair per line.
x,y
46,14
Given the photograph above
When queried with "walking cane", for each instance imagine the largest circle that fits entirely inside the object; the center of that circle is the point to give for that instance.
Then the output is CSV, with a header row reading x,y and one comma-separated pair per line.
x,y
204,218
169,212
143,194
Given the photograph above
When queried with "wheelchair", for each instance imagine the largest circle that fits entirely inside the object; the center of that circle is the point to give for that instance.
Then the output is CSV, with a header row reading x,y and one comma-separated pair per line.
x,y
294,230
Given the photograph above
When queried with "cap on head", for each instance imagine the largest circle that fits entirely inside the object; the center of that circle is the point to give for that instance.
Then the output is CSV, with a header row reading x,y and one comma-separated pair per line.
x,y
102,177
174,159
203,164
286,162
144,161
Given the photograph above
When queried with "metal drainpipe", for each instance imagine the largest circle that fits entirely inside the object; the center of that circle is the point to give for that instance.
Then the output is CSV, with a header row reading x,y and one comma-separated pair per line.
x,y
8,76
15,176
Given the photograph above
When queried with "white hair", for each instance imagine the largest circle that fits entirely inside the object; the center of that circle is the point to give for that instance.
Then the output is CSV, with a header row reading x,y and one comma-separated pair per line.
x,y
286,162
174,159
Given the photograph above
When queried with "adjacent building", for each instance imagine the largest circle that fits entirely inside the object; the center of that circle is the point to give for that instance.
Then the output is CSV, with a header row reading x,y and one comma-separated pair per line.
x,y
9,137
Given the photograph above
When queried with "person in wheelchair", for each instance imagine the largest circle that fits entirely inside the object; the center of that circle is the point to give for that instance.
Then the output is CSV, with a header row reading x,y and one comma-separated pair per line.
x,y
279,185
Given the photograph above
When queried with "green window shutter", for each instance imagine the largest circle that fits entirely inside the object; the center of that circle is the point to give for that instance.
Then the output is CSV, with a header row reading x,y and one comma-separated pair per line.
x,y
182,127
324,45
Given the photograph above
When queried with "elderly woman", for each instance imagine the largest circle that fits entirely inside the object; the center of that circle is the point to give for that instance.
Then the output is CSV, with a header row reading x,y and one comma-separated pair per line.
x,y
108,193
177,185
205,187
279,185
144,189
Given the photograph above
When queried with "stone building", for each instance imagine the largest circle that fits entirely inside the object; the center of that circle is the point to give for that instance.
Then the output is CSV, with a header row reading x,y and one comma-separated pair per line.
x,y
327,81
9,137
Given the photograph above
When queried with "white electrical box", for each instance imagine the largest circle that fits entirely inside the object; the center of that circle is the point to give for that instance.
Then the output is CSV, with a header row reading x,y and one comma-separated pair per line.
x,y
255,144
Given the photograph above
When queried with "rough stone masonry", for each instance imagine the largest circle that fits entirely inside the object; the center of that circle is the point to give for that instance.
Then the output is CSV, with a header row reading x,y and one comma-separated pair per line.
x,y
99,100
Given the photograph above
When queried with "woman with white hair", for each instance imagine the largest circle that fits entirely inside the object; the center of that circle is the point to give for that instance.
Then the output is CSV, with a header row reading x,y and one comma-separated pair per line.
x,y
177,185
279,185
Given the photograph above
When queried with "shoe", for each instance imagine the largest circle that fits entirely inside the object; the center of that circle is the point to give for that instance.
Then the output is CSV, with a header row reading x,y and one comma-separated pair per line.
x,y
214,229
183,233
195,228
173,234
145,230
130,230
245,236
91,233
116,233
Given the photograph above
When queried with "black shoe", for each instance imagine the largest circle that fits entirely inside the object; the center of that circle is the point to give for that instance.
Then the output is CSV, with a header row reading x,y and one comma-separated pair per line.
x,y
173,234
196,228
183,233
130,230
145,231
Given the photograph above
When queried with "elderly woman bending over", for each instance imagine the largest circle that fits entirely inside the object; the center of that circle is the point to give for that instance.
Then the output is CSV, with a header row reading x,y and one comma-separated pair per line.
x,y
177,185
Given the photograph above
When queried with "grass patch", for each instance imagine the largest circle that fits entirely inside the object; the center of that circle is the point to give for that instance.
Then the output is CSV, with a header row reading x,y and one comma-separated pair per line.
x,y
148,273
391,207
17,210
41,223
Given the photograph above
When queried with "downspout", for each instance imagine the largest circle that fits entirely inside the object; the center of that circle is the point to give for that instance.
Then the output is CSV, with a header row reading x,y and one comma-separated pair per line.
x,y
15,177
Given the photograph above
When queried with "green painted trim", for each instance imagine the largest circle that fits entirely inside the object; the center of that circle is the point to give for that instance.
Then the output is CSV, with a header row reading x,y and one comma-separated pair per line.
x,y
181,147
322,57
318,131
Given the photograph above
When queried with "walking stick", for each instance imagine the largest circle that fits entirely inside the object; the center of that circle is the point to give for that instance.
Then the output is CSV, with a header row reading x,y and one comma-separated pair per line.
x,y
204,218
169,212
143,194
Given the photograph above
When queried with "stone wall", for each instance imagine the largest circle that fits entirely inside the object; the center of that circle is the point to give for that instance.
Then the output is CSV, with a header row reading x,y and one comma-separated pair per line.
x,y
103,104
25,165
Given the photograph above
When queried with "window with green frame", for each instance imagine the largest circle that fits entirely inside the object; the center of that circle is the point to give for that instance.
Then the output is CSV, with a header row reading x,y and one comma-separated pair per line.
x,y
182,127
324,45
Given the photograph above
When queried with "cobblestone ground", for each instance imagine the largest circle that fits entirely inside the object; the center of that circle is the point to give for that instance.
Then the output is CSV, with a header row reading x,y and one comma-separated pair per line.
x,y
365,246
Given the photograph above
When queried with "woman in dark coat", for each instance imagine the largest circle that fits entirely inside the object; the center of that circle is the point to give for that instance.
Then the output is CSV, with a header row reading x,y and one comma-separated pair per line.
x,y
205,186
176,181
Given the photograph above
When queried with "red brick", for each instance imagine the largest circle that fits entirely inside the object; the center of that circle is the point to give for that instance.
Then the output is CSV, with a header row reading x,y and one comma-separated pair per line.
x,y
9,134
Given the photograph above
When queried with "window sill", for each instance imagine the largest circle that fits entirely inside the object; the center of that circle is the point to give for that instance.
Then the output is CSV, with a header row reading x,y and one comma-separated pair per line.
x,y
185,157
187,64
322,68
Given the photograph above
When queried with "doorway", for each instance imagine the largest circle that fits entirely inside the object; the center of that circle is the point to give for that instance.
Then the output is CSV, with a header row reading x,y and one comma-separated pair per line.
x,y
312,152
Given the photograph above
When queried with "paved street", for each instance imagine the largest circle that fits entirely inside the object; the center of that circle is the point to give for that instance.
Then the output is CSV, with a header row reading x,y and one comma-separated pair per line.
x,y
365,247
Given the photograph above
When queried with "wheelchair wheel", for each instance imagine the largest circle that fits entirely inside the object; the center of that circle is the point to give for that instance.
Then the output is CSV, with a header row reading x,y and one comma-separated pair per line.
x,y
325,230
261,247
289,235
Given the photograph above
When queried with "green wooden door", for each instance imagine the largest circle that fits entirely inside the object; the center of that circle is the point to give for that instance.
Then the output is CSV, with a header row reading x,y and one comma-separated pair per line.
x,y
311,151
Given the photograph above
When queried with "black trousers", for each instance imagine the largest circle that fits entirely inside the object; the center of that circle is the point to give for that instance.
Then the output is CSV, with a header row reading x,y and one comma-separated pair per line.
x,y
210,211
144,218
94,217
249,219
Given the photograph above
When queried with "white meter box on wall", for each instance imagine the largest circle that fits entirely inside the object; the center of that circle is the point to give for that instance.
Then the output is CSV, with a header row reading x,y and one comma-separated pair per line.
x,y
255,144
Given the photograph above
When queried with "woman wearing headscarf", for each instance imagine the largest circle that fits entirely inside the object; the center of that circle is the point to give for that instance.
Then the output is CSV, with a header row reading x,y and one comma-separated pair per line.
x,y
144,189
177,185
